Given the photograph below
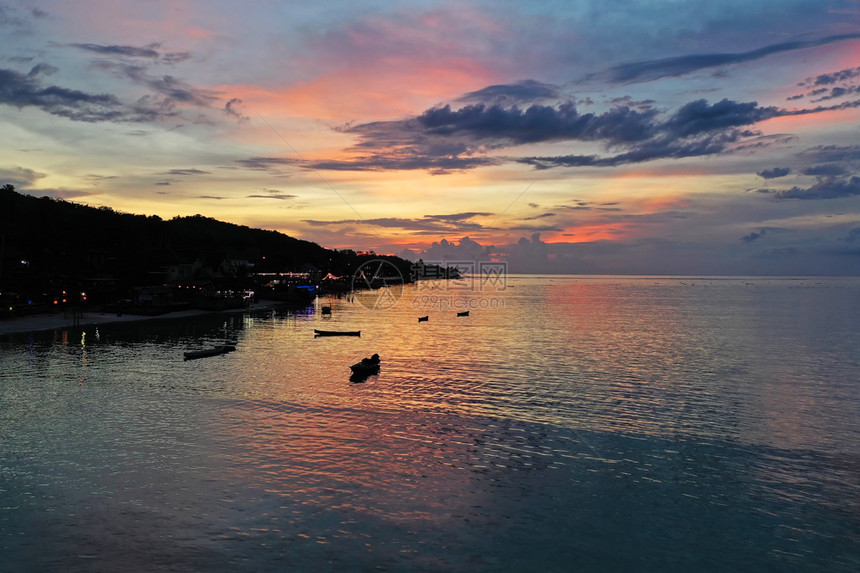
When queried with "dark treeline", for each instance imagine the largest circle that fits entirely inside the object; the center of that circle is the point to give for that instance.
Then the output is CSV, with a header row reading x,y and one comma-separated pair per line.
x,y
48,244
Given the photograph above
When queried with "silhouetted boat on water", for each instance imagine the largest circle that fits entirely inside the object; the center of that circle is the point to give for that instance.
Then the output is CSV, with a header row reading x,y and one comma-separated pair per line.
x,y
465,313
230,346
365,368
423,318
337,332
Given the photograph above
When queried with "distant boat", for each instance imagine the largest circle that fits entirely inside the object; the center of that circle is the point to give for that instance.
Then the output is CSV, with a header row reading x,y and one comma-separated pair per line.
x,y
365,368
465,313
326,310
337,332
423,318
214,351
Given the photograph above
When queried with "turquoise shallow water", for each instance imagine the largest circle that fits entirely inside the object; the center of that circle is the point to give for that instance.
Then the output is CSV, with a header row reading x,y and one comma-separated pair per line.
x,y
567,424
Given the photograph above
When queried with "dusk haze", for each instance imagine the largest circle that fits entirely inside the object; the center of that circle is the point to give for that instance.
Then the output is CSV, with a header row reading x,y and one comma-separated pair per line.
x,y
564,137
430,286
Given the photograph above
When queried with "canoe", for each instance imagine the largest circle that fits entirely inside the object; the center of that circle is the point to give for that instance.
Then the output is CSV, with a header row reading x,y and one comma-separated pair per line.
x,y
466,313
423,318
337,332
214,351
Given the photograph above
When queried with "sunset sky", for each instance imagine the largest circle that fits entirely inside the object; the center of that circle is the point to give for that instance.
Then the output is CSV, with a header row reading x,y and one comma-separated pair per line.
x,y
582,136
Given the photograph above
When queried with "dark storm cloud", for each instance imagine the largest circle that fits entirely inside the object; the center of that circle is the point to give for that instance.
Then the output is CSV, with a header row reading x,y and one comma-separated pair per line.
x,y
696,129
29,90
538,123
699,117
834,77
148,52
831,154
170,87
518,92
826,188
829,86
405,145
839,92
657,148
829,170
774,173
444,139
20,90
672,67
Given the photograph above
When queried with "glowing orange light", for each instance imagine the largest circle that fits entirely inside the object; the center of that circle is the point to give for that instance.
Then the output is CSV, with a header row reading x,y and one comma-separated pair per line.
x,y
591,233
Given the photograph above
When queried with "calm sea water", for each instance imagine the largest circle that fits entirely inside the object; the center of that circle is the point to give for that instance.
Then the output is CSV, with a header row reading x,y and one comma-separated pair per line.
x,y
567,424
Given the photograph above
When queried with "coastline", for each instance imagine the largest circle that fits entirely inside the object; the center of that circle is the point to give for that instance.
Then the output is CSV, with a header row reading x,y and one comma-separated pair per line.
x,y
41,322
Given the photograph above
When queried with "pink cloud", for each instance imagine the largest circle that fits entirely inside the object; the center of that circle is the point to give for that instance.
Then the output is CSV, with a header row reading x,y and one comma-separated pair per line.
x,y
392,88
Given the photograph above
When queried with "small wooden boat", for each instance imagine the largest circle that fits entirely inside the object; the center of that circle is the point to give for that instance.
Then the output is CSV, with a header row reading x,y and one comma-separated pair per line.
x,y
214,351
337,332
465,313
423,318
366,367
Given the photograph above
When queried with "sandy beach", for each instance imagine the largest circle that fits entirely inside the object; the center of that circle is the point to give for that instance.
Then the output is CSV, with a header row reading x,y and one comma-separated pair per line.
x,y
37,322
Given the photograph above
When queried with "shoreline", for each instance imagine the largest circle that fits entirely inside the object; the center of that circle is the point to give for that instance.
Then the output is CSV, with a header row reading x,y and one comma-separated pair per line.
x,y
42,322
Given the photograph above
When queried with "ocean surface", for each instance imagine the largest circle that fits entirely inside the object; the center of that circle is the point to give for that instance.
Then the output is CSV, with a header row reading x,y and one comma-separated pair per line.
x,y
568,423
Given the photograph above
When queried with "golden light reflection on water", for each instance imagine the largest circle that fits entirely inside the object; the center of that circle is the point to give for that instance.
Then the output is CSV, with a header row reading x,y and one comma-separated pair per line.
x,y
624,405
653,357
722,358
